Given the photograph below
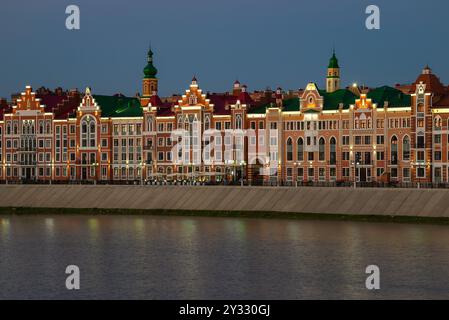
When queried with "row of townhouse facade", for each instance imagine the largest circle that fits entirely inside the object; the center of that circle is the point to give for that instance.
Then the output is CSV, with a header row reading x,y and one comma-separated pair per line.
x,y
333,135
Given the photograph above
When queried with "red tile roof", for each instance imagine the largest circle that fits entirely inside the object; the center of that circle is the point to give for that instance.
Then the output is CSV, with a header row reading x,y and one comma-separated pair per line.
x,y
433,83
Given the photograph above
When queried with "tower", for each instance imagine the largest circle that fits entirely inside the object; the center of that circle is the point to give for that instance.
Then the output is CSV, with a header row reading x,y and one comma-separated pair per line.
x,y
149,82
333,75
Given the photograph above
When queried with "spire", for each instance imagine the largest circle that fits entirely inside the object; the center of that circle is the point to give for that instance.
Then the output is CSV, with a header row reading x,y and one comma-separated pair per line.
x,y
150,70
333,62
427,70
194,81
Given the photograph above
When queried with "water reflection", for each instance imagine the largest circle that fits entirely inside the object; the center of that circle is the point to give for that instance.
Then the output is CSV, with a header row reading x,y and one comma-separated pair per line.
x,y
220,258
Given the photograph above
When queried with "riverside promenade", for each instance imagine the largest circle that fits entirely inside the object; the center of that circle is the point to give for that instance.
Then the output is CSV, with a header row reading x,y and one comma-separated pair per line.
x,y
347,201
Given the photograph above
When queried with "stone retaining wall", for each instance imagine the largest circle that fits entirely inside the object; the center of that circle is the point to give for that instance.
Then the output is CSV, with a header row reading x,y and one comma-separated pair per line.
x,y
361,201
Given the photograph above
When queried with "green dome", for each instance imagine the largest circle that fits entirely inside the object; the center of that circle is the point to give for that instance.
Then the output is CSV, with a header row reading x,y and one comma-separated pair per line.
x,y
333,62
150,70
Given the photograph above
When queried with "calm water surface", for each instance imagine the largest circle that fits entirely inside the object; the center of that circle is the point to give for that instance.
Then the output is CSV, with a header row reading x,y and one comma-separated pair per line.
x,y
149,257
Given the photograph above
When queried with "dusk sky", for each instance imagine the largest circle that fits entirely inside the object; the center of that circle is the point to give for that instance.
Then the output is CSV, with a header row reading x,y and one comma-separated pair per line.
x,y
263,43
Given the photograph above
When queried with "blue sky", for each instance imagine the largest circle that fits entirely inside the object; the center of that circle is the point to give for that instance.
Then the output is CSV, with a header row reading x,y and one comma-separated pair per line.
x,y
263,43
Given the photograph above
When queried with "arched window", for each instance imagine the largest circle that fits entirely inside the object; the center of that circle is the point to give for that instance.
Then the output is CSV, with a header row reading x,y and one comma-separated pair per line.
x,y
394,150
150,123
333,151
300,149
238,122
438,123
289,149
207,123
406,148
322,148
88,132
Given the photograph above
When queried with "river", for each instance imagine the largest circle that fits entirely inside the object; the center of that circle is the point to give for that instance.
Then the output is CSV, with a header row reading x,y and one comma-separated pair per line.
x,y
161,257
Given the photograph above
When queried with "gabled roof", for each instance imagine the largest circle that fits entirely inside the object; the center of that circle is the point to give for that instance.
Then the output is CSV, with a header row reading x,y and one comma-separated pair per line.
x,y
118,106
62,104
395,97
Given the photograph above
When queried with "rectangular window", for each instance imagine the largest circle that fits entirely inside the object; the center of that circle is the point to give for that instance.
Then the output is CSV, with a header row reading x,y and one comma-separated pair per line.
x,y
310,156
368,140
380,139
394,172
420,142
420,172
311,174
406,173
420,156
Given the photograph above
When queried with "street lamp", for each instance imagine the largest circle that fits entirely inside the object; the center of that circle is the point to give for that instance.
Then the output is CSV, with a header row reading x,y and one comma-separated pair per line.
x,y
242,164
295,164
141,172
356,163
94,166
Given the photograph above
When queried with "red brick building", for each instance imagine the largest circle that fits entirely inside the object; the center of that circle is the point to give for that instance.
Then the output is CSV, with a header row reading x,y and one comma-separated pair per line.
x,y
326,135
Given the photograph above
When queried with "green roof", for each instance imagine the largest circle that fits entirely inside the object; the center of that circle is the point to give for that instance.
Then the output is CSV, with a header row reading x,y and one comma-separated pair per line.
x,y
395,97
150,70
332,100
333,62
291,104
119,106
259,109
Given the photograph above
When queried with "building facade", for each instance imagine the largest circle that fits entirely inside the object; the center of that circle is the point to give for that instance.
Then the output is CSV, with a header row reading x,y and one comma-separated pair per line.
x,y
369,135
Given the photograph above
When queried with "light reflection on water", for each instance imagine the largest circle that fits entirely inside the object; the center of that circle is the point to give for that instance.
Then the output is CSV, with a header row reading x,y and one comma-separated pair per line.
x,y
154,257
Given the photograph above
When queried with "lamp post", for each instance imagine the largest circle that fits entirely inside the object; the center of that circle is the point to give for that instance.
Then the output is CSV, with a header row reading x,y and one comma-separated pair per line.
x,y
234,164
141,173
295,164
356,162
242,164
94,166
419,165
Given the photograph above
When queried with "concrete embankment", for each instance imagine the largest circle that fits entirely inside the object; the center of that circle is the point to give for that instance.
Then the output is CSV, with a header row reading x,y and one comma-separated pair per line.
x,y
347,201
